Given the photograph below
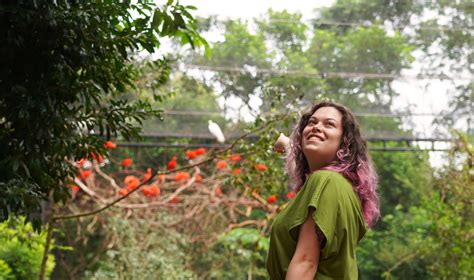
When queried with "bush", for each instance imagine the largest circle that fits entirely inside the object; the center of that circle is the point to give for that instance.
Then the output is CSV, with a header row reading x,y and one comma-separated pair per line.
x,y
142,250
432,240
21,250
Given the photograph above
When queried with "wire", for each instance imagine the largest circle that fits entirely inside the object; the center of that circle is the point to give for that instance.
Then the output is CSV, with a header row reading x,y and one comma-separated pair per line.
x,y
385,115
357,24
347,75
207,145
230,137
193,113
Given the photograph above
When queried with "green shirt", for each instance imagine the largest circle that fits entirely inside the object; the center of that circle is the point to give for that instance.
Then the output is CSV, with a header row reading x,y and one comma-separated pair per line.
x,y
337,214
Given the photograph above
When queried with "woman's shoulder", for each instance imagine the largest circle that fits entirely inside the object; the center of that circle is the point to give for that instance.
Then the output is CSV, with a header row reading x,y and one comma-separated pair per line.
x,y
326,174
329,177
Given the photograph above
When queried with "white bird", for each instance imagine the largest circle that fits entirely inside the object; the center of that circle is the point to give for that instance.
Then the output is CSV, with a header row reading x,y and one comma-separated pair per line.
x,y
215,130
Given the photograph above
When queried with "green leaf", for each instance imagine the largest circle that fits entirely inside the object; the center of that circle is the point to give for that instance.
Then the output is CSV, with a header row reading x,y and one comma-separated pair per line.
x,y
157,19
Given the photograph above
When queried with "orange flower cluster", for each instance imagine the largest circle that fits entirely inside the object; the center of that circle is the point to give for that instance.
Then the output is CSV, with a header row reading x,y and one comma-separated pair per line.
x,y
181,176
235,158
290,195
147,175
260,167
236,171
132,182
175,200
123,191
218,191
99,158
81,162
198,178
86,173
151,191
126,162
193,154
272,199
200,151
221,164
110,145
172,163
73,187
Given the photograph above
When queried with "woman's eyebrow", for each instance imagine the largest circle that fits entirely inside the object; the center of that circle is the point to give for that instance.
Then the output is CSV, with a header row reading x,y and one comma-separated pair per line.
x,y
327,119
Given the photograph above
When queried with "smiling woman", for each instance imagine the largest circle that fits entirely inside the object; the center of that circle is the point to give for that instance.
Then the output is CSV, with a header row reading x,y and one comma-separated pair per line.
x,y
316,235
322,137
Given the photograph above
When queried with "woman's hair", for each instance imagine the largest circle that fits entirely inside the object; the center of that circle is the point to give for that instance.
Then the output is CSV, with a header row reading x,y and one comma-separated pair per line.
x,y
352,160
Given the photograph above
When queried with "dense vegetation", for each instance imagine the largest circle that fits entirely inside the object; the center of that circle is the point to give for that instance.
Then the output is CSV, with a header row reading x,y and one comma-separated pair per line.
x,y
213,220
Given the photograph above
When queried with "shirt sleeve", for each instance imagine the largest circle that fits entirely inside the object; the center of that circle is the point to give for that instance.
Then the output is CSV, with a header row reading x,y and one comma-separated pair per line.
x,y
324,200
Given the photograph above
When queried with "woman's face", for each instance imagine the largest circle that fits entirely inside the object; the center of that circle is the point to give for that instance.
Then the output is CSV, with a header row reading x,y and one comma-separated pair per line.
x,y
322,137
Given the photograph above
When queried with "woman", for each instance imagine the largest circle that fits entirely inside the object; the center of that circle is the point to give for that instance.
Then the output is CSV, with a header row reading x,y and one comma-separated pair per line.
x,y
316,235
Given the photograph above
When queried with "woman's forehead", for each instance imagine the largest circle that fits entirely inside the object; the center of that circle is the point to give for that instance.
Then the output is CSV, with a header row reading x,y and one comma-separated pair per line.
x,y
327,113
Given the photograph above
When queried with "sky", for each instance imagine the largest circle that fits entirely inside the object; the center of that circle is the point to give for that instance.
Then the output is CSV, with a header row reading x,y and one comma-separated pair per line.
x,y
424,97
249,9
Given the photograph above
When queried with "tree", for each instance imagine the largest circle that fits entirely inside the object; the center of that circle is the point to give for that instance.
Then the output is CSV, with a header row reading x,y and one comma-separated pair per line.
x,y
184,94
65,68
189,207
444,49
430,239
306,68
289,44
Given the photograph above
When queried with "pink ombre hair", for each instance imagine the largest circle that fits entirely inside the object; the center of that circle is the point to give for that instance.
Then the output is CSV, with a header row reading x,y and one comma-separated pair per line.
x,y
352,160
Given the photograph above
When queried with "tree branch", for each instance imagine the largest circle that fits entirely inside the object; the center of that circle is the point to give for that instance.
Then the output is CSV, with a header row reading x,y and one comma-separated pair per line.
x,y
214,156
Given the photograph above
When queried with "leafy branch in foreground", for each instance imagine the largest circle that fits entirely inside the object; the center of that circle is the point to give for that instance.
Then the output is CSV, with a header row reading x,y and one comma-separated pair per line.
x,y
68,69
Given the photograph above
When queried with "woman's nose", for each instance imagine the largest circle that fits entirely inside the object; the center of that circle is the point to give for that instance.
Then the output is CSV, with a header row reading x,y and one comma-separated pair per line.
x,y
317,127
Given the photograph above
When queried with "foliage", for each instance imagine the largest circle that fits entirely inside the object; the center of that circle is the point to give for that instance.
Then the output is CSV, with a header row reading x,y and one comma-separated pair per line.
x,y
426,230
287,43
295,63
21,250
184,93
5,271
244,251
432,239
203,209
405,178
140,250
439,30
70,64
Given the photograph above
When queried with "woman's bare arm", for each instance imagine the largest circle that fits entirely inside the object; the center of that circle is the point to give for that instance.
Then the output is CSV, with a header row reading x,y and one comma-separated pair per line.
x,y
304,263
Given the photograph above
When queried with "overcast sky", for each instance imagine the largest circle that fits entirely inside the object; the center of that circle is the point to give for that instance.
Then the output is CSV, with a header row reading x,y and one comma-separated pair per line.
x,y
253,8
